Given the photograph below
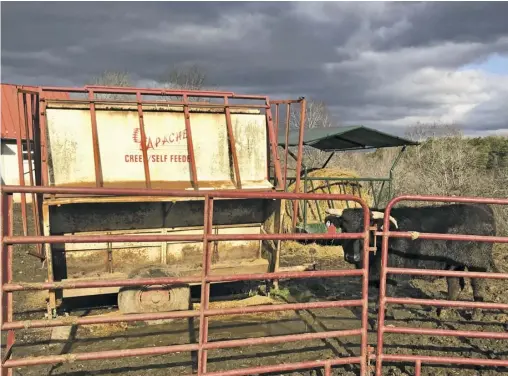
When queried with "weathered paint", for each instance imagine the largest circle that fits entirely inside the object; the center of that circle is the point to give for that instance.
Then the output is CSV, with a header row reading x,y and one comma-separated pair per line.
x,y
71,162
87,259
90,260
71,147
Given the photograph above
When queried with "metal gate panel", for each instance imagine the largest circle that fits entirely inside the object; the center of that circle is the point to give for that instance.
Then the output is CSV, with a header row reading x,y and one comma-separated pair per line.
x,y
384,300
205,279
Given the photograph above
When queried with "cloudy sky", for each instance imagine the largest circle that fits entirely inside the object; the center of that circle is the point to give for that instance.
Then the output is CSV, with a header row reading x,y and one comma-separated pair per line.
x,y
386,65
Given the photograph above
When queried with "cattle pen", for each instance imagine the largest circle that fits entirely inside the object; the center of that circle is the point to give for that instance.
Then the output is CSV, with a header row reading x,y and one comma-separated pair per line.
x,y
208,203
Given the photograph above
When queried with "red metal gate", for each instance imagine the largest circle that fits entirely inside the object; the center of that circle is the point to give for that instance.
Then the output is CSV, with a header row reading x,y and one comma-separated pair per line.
x,y
8,287
418,360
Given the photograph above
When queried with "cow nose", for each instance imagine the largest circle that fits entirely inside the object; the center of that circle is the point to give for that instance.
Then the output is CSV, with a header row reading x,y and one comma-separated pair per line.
x,y
356,257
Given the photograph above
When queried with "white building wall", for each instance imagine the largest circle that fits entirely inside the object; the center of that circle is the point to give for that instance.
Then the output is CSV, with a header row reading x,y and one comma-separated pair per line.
x,y
9,170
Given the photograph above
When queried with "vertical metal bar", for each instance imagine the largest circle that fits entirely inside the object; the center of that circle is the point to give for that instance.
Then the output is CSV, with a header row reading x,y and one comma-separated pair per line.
x,y
49,260
316,201
277,119
279,215
273,145
44,144
28,142
21,169
99,182
305,202
35,211
286,146
190,145
331,204
6,309
382,297
303,104
364,352
276,126
109,247
232,143
36,131
205,286
328,369
418,368
144,146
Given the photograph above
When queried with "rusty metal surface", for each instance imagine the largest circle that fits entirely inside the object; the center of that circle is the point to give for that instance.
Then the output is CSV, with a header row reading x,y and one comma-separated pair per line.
x,y
144,146
10,100
175,156
299,161
418,360
6,298
67,163
206,278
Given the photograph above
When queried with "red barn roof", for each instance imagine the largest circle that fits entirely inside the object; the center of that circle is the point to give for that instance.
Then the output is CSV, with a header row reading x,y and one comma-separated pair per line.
x,y
9,109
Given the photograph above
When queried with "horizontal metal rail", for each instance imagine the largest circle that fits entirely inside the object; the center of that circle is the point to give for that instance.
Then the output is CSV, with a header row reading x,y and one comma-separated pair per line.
x,y
21,286
432,236
70,358
70,320
159,103
327,364
447,273
231,194
446,333
446,360
9,287
383,329
162,238
447,303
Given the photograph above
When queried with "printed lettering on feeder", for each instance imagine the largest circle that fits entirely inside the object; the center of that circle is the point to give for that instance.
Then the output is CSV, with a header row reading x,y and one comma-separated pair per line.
x,y
158,143
158,158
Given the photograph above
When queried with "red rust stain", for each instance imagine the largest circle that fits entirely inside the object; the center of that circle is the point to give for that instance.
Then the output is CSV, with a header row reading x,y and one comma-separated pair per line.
x,y
10,116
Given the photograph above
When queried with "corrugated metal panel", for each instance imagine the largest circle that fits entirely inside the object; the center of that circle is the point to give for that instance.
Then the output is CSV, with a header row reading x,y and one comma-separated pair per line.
x,y
9,108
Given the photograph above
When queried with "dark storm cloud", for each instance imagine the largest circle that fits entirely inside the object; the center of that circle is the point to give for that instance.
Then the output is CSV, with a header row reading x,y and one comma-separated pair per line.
x,y
382,64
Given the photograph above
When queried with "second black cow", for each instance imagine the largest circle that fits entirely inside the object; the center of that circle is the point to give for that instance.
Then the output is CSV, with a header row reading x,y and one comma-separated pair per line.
x,y
467,219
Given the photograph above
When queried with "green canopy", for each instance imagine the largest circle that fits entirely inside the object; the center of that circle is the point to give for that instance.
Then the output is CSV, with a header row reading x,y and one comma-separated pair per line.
x,y
344,138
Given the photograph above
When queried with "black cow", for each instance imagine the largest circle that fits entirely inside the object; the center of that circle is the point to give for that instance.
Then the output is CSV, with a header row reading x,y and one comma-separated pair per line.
x,y
467,219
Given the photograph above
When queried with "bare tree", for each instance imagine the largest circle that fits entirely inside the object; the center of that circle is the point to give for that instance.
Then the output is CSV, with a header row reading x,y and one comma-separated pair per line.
x,y
317,115
190,77
112,78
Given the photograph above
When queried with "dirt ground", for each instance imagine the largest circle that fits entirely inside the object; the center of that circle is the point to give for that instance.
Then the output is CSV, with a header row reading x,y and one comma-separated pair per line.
x,y
36,342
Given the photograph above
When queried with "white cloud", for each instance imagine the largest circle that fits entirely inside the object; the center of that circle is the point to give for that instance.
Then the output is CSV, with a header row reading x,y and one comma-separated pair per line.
x,y
378,63
44,56
231,27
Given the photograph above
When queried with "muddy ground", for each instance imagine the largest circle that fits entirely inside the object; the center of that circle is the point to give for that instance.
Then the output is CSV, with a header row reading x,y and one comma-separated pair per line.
x,y
94,338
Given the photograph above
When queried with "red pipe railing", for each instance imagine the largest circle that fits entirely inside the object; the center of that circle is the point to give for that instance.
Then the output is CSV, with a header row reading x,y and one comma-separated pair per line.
x,y
183,95
418,360
8,287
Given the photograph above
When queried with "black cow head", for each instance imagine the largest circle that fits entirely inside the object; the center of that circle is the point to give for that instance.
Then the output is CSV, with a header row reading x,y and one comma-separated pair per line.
x,y
351,220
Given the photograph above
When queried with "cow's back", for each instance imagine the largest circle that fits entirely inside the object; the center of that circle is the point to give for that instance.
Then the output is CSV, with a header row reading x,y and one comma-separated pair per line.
x,y
466,219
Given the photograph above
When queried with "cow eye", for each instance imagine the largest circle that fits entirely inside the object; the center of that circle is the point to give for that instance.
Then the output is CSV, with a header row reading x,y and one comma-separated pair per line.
x,y
328,223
